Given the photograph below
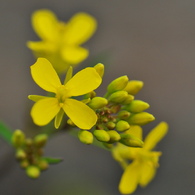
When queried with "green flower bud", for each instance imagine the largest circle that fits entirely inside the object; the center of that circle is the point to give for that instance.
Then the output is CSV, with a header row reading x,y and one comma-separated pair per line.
x,y
128,99
141,118
18,138
100,69
20,154
110,125
90,95
123,114
85,136
133,87
122,125
43,164
137,106
69,122
117,84
101,135
131,140
33,172
114,136
118,97
40,140
24,164
98,102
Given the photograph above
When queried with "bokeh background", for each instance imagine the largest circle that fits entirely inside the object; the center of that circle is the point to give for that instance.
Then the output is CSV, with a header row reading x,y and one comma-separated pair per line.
x,y
153,41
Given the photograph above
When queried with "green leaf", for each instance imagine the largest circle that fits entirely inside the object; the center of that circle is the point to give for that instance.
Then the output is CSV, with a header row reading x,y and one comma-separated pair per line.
x,y
53,160
5,133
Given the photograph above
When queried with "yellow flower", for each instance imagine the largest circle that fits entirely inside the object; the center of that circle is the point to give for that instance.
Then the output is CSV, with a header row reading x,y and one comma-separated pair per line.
x,y
144,163
46,108
61,41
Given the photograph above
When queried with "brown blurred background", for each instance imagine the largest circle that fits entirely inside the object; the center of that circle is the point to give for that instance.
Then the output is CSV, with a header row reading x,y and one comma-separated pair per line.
x,y
153,41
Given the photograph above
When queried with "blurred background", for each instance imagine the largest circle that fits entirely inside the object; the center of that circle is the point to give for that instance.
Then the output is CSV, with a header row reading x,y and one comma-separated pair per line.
x,y
152,41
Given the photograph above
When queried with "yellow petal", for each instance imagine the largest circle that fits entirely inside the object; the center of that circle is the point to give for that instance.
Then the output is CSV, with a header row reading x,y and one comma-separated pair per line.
x,y
44,75
136,131
155,135
80,28
129,180
41,46
44,111
80,114
74,54
45,24
147,173
83,82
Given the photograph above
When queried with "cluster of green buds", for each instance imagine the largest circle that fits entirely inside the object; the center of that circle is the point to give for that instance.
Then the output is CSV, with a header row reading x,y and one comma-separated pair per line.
x,y
117,111
29,153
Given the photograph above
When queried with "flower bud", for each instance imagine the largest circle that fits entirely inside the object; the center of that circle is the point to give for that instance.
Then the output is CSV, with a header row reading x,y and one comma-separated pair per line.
x,y
133,87
18,138
40,140
141,118
137,106
114,136
20,154
131,141
69,122
43,164
85,136
33,172
117,84
128,99
122,125
100,69
101,135
123,114
24,163
118,97
98,102
110,125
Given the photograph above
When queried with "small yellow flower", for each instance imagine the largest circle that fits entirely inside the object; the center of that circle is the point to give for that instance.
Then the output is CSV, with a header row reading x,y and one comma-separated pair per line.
x,y
46,108
61,41
144,163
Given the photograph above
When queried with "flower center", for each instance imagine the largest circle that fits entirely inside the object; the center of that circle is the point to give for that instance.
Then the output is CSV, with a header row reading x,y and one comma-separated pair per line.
x,y
62,95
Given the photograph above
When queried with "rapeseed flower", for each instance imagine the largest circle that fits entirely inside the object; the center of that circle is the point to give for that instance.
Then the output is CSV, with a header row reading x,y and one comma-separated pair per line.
x,y
144,161
46,108
61,41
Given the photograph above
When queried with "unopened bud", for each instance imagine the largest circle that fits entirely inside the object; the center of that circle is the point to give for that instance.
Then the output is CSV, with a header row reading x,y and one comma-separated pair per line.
x,y
98,102
40,140
33,172
128,99
114,136
141,118
101,135
18,138
122,125
133,87
117,84
20,154
110,125
24,164
43,164
137,106
100,69
90,95
69,122
131,141
85,136
123,114
118,97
